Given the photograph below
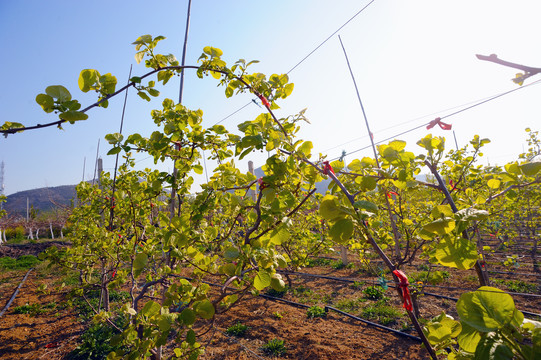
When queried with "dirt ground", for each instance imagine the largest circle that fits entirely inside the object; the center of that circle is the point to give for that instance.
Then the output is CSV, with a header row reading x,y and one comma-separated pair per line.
x,y
53,333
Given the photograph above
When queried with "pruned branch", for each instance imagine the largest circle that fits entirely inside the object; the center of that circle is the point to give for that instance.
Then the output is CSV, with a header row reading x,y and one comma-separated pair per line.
x,y
178,68
494,58
528,70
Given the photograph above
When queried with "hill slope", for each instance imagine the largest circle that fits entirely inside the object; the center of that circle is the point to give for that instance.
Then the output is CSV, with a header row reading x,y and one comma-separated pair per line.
x,y
43,199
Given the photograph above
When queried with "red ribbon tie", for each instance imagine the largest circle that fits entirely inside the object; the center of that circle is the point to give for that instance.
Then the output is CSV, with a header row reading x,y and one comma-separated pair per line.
x,y
403,284
264,100
261,183
437,121
327,168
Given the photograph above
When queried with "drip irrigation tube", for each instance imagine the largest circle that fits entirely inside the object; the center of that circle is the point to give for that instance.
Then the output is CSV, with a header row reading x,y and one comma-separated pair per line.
x,y
345,314
413,337
292,303
15,293
390,285
513,273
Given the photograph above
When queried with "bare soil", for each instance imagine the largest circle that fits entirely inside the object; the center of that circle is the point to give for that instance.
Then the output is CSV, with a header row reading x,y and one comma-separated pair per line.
x,y
53,333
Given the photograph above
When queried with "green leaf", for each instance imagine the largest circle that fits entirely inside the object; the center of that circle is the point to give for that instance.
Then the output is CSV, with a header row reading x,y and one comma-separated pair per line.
x,y
277,283
187,316
493,347
108,83
488,309
512,168
143,95
306,148
72,116
262,280
468,338
438,333
531,168
231,253
397,145
329,209
279,236
472,214
342,230
87,79
198,169
114,138
140,261
442,330
204,309
366,205
441,211
151,308
367,182
212,51
46,102
114,150
441,226
165,323
456,252
58,92
494,184
190,337
153,92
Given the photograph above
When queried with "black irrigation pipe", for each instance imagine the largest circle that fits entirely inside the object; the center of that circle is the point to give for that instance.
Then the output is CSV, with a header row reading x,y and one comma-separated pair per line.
x,y
295,304
292,303
413,337
15,293
390,285
424,292
513,273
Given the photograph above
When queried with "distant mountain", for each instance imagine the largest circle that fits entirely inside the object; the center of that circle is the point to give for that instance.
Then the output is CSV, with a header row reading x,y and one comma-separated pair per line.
x,y
43,199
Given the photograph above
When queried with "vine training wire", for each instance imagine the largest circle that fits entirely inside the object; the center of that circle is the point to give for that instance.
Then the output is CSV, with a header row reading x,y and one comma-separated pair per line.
x,y
306,57
441,118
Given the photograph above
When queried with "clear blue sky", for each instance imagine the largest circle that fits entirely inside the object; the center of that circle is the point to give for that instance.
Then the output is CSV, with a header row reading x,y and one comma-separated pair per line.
x,y
413,61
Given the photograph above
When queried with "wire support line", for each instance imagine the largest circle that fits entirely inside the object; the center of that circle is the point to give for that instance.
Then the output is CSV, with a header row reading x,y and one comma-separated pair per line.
x,y
307,56
351,280
420,118
441,118
330,36
233,113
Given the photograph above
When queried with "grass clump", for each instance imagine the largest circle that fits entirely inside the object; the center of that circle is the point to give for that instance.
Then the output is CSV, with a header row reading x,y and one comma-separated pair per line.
x,y
315,312
22,262
374,292
95,343
349,305
518,286
237,330
274,347
381,312
32,310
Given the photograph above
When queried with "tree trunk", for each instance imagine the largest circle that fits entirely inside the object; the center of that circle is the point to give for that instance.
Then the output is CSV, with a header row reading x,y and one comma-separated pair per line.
x,y
344,254
51,228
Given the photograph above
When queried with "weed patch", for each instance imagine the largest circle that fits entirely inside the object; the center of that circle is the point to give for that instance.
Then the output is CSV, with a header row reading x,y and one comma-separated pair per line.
x,y
274,347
